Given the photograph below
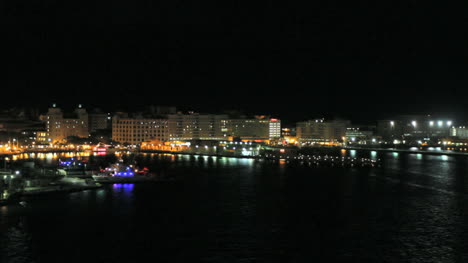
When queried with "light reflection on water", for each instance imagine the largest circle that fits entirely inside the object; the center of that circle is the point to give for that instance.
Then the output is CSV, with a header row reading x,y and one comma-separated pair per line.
x,y
414,208
123,187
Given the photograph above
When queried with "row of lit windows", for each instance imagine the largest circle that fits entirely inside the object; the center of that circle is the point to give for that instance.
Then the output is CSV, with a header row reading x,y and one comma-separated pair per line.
x,y
140,122
138,127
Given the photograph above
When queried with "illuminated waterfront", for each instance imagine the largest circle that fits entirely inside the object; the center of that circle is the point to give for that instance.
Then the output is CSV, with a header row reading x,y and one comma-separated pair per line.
x,y
412,209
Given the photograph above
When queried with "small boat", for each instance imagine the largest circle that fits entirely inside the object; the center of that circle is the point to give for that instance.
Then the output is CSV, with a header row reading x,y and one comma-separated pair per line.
x,y
120,173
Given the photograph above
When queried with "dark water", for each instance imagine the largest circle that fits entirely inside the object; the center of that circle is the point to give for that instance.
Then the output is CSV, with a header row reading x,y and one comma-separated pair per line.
x,y
412,209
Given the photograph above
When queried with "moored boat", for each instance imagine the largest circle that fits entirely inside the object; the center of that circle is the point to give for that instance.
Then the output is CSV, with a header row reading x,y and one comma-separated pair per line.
x,y
120,173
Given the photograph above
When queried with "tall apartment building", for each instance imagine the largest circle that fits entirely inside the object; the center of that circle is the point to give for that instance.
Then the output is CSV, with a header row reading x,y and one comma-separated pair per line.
x,y
254,129
194,126
321,131
138,129
60,126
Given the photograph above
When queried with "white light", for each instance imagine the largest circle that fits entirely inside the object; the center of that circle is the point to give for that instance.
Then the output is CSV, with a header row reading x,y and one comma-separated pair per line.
x,y
414,123
431,123
392,123
440,123
17,172
449,123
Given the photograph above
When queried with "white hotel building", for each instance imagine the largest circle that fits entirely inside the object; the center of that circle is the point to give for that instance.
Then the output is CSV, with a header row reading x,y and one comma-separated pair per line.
x,y
193,126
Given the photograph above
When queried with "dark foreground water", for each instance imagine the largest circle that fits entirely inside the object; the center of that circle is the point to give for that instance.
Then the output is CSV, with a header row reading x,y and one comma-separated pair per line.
x,y
412,209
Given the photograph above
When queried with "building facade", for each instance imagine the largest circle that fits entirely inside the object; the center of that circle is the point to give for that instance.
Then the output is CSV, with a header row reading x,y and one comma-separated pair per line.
x,y
320,130
137,130
254,129
99,121
59,126
461,132
194,126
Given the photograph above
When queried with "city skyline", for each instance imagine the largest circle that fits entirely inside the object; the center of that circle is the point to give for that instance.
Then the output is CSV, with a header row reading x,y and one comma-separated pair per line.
x,y
339,60
288,118
234,131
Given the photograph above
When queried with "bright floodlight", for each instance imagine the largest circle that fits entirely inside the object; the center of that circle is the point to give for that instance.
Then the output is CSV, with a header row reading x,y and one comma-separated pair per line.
x,y
392,123
414,123
431,123
449,123
440,123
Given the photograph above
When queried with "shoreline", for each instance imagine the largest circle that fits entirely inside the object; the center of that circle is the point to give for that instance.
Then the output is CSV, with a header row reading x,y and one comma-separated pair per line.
x,y
17,197
427,152
202,154
50,190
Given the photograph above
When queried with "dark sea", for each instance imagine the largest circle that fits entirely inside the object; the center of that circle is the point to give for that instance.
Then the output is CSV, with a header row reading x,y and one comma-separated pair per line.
x,y
413,208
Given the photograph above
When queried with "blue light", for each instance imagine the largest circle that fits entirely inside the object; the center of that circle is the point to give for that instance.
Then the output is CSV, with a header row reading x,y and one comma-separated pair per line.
x,y
124,187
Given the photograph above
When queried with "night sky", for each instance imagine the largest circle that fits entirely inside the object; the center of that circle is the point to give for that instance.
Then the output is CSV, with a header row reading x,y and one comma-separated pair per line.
x,y
291,59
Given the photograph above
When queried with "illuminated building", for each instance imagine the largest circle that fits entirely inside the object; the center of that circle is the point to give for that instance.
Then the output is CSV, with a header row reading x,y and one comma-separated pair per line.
x,y
361,135
137,130
60,126
460,132
192,127
288,131
414,127
195,126
320,130
39,136
42,136
254,129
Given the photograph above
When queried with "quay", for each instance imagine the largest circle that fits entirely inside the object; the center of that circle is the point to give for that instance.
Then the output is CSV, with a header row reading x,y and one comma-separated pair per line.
x,y
418,151
317,159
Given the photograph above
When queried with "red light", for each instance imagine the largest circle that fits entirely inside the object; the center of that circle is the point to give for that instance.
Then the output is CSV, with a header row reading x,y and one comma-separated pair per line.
x,y
273,119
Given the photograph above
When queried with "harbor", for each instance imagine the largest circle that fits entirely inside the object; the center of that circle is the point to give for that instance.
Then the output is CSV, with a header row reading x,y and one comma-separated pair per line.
x,y
70,174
